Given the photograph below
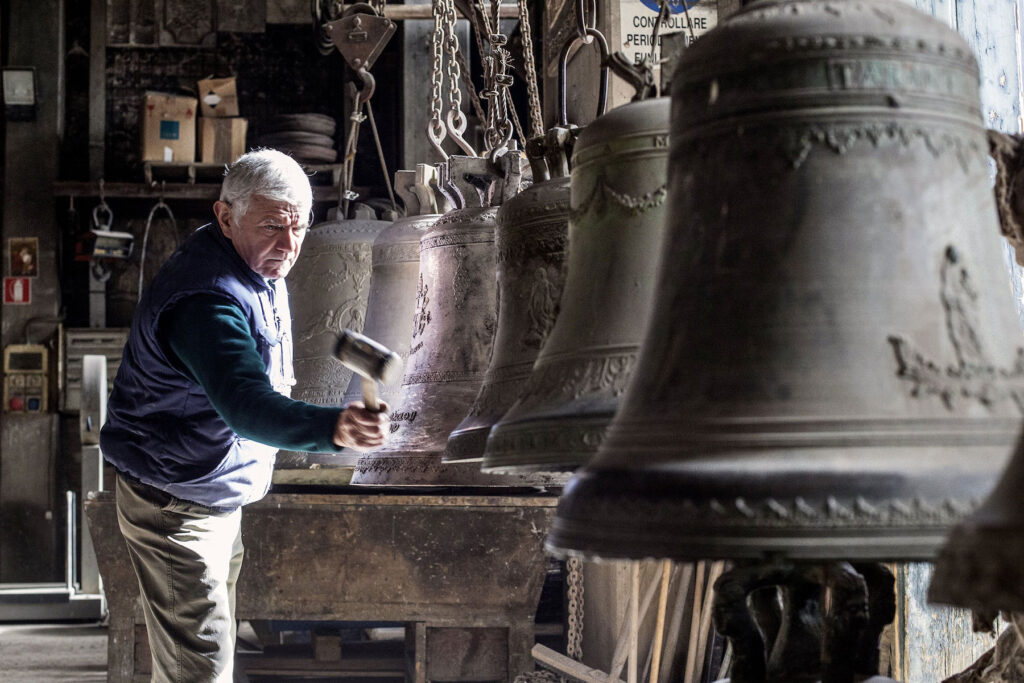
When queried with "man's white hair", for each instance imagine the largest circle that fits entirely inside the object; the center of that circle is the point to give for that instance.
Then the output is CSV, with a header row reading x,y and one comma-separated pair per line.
x,y
269,174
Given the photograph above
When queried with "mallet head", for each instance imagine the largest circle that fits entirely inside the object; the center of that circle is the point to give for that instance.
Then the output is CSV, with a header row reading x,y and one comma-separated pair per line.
x,y
372,361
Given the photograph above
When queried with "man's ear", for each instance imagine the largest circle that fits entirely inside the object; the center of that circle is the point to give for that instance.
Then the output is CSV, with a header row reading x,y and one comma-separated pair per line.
x,y
223,212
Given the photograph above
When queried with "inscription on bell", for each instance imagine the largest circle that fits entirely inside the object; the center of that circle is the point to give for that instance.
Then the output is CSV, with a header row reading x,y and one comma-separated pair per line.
x,y
905,76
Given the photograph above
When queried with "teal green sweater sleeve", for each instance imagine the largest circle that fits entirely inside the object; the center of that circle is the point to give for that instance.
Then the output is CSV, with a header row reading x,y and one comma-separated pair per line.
x,y
211,338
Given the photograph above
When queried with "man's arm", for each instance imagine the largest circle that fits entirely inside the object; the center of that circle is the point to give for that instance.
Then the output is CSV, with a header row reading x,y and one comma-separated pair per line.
x,y
210,337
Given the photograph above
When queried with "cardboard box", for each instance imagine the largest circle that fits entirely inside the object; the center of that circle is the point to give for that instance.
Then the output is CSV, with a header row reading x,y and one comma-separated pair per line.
x,y
221,141
168,127
218,97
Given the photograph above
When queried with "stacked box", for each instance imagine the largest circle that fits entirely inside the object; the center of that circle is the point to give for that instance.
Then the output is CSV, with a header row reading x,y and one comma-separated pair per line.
x,y
168,127
221,132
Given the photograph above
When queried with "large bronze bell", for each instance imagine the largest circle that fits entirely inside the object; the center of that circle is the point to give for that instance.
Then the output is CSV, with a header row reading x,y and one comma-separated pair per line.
x,y
615,231
329,286
328,290
980,565
831,368
391,302
531,244
453,329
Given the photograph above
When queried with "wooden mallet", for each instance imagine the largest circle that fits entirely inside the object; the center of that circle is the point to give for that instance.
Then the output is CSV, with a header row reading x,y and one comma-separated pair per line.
x,y
371,361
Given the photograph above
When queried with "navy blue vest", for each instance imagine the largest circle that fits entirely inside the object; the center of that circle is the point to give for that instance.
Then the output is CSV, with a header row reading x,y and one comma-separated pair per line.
x,y
161,428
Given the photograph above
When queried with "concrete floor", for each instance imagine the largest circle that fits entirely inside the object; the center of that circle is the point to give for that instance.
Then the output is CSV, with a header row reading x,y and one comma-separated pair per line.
x,y
45,653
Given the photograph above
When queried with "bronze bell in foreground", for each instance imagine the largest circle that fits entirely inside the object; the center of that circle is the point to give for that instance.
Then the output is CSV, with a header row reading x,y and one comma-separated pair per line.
x,y
616,224
396,263
531,244
453,329
391,299
831,370
981,565
328,290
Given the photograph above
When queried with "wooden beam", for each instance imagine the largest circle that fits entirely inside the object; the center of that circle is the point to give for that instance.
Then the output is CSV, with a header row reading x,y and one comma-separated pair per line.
x,y
423,12
210,191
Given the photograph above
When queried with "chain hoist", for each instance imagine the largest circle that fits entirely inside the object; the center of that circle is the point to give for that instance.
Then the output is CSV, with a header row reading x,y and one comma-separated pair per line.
x,y
360,35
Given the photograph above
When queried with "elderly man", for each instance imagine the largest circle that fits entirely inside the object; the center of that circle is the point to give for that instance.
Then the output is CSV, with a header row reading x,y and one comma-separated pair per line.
x,y
200,406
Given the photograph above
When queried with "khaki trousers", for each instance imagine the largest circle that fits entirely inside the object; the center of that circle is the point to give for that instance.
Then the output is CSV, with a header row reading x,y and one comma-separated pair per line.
x,y
187,558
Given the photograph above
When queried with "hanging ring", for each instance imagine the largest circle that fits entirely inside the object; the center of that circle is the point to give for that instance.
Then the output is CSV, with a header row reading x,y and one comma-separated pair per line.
x,y
102,209
437,132
456,127
563,61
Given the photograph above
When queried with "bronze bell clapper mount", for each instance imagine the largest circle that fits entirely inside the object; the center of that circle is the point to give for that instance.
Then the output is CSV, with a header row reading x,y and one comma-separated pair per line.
x,y
830,375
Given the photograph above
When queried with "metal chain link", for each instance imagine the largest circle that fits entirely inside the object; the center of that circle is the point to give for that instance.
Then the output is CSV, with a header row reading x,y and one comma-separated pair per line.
x,y
467,79
574,589
456,120
436,129
532,88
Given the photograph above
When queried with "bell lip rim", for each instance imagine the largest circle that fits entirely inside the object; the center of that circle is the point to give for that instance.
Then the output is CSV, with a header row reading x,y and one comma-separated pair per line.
x,y
902,547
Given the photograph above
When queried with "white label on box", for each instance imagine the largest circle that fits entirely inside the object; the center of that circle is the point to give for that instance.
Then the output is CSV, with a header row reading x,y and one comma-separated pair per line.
x,y
637,18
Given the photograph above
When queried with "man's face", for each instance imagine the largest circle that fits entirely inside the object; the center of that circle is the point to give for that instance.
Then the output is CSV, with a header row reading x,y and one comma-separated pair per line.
x,y
267,237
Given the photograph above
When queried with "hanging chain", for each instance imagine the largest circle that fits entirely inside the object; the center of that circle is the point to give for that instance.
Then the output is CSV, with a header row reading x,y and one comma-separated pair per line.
x,y
467,79
436,130
574,636
574,579
456,120
532,89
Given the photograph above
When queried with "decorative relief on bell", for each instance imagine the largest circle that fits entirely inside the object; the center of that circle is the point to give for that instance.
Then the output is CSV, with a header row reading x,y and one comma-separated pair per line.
x,y
422,316
603,197
543,308
604,375
973,376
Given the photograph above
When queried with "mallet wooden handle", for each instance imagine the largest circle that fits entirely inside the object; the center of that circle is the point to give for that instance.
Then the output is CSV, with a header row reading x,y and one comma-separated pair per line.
x,y
370,395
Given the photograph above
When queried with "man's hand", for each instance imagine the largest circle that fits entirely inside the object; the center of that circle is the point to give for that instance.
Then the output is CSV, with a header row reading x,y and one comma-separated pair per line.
x,y
359,429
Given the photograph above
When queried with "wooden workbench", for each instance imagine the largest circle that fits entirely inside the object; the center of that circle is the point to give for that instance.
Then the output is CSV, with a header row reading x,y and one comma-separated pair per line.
x,y
447,563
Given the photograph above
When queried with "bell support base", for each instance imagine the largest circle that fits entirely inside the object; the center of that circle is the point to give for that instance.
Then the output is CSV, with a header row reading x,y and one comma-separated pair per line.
x,y
981,568
781,631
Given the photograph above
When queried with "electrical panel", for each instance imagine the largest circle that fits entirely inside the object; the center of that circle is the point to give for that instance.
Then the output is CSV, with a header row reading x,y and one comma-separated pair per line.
x,y
26,378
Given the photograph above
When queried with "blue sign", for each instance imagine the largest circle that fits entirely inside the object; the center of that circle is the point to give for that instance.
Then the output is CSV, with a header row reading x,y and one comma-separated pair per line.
x,y
674,6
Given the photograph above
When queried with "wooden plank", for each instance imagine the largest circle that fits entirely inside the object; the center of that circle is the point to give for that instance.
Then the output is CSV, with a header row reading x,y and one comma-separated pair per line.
x,y
570,667
939,641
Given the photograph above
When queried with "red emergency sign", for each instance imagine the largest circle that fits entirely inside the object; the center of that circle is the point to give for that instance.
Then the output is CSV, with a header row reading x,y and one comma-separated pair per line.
x,y
17,290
